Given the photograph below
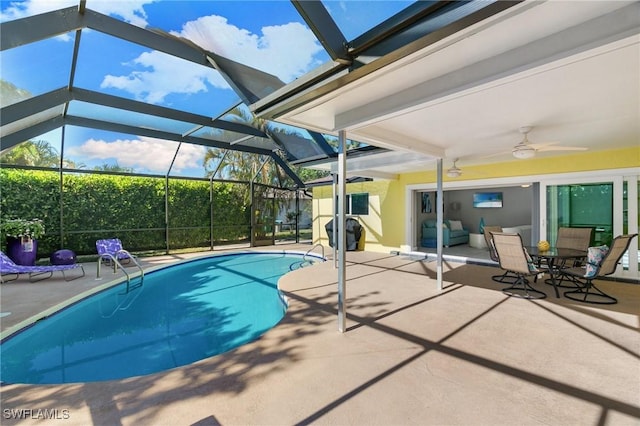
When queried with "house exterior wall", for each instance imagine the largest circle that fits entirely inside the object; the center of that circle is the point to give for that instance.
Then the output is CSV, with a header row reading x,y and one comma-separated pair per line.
x,y
385,224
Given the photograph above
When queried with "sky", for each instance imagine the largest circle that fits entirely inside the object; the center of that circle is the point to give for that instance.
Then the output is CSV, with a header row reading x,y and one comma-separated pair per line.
x,y
267,35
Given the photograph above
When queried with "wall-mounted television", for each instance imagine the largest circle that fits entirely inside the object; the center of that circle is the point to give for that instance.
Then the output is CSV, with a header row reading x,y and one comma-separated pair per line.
x,y
487,200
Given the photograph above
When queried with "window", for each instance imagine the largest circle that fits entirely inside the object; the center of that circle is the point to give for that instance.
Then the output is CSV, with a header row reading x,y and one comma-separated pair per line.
x,y
357,204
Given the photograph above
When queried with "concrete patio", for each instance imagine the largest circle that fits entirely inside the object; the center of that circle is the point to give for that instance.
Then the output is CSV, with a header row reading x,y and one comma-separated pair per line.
x,y
466,355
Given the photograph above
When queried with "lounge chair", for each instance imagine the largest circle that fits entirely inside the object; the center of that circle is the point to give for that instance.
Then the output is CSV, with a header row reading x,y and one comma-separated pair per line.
x,y
8,266
110,249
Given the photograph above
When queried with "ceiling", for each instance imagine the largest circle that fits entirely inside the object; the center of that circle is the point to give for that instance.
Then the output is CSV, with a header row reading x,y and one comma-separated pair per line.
x,y
436,79
568,69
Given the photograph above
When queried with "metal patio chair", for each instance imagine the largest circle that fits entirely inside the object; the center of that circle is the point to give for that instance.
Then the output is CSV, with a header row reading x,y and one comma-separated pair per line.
x,y
583,276
514,258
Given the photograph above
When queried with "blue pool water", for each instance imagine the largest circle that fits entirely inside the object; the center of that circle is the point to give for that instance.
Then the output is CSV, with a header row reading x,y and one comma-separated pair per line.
x,y
179,315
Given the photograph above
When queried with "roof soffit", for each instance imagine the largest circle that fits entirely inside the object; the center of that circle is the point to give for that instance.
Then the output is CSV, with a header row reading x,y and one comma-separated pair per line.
x,y
362,107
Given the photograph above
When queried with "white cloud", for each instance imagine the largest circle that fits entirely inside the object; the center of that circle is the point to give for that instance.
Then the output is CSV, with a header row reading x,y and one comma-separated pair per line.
x,y
21,9
130,10
143,154
162,75
286,51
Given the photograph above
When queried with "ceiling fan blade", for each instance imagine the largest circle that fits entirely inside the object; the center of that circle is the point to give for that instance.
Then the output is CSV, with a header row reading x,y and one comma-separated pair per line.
x,y
540,145
562,148
496,154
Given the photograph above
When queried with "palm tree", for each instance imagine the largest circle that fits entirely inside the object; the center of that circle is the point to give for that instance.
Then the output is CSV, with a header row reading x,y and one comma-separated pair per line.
x,y
113,168
240,165
35,154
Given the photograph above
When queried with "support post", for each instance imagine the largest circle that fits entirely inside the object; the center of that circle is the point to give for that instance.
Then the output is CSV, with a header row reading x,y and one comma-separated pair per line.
x,y
439,215
211,196
166,213
61,189
334,214
252,209
342,232
297,216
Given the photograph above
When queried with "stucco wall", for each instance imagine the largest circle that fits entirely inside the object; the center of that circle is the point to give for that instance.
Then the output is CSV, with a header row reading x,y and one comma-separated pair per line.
x,y
385,224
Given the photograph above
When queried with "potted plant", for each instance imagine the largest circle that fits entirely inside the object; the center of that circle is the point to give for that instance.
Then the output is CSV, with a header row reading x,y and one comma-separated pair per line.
x,y
22,239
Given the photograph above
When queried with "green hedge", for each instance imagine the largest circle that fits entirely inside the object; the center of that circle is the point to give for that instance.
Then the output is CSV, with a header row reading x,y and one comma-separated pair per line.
x,y
131,208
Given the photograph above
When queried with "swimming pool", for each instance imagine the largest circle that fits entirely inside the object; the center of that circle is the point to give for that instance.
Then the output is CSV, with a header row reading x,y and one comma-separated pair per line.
x,y
180,314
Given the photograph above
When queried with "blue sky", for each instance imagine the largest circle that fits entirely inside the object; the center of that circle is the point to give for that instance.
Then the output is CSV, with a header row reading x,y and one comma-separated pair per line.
x,y
268,35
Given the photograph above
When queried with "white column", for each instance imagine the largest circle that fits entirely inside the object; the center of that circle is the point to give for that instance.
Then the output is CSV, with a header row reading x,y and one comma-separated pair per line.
x,y
334,214
342,232
439,221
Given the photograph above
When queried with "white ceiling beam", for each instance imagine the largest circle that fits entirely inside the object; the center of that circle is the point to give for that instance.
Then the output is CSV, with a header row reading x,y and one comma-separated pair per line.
x,y
614,26
384,138
375,174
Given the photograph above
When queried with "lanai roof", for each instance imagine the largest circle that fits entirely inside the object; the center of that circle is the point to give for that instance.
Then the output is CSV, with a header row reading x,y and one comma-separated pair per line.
x,y
410,81
92,66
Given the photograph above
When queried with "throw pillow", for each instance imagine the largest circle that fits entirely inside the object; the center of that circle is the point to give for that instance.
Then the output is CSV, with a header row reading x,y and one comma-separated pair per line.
x,y
594,259
532,266
455,225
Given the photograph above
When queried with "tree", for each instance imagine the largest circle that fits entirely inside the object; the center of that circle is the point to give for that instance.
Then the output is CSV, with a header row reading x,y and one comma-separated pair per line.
x,y
306,174
239,165
11,94
351,144
113,168
35,154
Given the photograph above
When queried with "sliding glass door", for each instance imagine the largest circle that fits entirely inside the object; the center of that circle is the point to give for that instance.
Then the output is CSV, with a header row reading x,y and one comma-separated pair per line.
x,y
609,206
581,206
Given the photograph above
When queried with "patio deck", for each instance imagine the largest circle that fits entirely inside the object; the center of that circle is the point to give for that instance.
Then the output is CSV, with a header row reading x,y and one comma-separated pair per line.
x,y
466,355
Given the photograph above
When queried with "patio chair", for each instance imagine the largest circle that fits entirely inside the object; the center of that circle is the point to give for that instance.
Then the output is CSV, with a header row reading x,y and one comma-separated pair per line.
x,y
572,238
110,249
513,258
507,277
597,266
8,266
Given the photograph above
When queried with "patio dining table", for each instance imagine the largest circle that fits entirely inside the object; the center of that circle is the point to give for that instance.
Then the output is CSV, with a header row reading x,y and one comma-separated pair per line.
x,y
551,256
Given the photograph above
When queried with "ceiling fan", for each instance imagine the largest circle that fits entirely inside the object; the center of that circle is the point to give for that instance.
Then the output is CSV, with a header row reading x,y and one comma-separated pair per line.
x,y
454,171
525,149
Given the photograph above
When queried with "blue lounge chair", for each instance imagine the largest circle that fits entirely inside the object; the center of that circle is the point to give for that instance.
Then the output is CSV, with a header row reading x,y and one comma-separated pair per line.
x,y
110,249
8,266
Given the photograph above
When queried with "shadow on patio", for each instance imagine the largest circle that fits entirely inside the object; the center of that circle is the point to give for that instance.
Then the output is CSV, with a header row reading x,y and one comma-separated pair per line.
x,y
412,355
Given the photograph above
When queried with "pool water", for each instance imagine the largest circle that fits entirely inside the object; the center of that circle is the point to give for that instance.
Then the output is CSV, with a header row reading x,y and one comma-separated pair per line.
x,y
179,315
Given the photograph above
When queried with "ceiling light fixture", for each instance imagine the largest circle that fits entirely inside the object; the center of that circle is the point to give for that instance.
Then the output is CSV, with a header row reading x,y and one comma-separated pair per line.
x,y
454,171
523,150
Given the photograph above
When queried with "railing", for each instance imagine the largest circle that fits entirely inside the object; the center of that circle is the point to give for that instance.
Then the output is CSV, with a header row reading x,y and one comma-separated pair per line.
x,y
114,258
304,258
124,304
